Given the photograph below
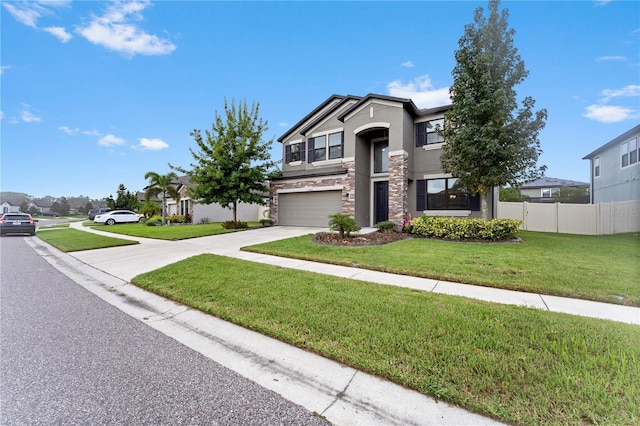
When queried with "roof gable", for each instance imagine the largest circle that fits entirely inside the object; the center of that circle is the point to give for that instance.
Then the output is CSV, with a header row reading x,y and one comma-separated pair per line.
x,y
331,99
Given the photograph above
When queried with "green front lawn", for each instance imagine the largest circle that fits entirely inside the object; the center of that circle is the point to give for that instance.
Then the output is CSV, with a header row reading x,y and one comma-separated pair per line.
x,y
169,232
519,365
603,268
67,239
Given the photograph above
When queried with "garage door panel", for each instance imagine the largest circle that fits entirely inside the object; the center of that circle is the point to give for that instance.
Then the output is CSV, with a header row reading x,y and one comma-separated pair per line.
x,y
308,208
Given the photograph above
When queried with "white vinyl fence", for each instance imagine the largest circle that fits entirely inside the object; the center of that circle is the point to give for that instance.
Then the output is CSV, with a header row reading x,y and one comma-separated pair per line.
x,y
586,219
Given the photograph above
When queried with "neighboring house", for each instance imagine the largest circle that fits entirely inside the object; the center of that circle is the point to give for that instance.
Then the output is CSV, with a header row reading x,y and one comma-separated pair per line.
x,y
544,189
376,158
210,212
8,206
615,169
42,205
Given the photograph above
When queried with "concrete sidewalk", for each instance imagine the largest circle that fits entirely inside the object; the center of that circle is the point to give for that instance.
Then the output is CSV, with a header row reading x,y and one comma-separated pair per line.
x,y
341,394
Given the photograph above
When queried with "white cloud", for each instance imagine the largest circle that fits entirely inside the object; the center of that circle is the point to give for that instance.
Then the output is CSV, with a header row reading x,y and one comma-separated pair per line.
x,y
111,140
27,116
60,33
601,2
152,144
68,130
114,31
610,58
421,91
283,124
91,132
613,113
4,67
609,113
29,12
407,64
632,90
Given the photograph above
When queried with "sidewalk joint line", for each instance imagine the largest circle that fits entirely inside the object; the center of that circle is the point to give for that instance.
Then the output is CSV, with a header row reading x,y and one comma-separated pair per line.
x,y
340,394
545,303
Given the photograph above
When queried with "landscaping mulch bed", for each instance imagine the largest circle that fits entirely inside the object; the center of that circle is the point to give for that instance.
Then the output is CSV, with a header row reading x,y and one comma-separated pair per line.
x,y
356,240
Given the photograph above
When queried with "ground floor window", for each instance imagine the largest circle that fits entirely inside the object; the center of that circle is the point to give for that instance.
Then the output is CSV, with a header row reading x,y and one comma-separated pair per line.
x,y
184,207
444,194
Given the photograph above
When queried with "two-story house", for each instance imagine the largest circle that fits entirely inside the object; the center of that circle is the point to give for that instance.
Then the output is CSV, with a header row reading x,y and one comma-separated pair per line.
x,y
376,158
615,169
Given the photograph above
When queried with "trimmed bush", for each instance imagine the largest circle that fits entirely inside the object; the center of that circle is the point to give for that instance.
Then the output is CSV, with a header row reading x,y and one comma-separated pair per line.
x,y
176,218
454,228
343,223
153,223
386,225
230,224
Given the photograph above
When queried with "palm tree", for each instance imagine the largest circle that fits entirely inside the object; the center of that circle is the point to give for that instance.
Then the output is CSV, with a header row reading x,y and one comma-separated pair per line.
x,y
162,184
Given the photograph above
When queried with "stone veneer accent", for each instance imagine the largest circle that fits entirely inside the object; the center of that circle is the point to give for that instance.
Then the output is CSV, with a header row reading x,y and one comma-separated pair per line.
x,y
347,182
398,186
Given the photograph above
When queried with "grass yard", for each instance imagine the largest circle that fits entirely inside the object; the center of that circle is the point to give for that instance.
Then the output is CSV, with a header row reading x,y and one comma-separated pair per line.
x,y
519,365
173,232
602,268
67,240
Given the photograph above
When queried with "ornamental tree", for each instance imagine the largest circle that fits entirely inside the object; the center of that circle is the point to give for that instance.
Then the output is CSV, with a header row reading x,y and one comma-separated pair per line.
x,y
490,141
233,162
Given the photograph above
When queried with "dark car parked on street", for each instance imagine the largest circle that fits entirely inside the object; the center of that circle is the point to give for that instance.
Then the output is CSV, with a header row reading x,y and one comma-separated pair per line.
x,y
17,223
94,212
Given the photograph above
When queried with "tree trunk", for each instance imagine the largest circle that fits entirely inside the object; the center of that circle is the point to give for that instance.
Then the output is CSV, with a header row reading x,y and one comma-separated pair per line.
x,y
235,211
484,205
164,209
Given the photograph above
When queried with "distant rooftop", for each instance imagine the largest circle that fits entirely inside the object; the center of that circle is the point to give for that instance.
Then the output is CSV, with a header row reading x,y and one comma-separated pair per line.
x,y
550,182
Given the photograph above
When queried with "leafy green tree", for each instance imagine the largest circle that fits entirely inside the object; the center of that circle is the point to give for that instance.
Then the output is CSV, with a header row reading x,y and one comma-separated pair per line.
x,y
489,141
32,211
24,206
164,185
125,200
233,162
568,194
343,223
150,208
511,194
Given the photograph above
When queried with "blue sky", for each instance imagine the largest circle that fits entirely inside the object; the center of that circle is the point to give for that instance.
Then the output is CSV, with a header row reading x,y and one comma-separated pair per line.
x,y
95,94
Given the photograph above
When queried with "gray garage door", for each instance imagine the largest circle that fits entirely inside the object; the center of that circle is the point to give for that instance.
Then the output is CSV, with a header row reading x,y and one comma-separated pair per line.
x,y
308,208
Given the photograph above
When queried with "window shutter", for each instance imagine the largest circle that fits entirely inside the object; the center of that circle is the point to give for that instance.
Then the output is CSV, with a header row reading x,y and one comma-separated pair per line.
x,y
474,202
302,150
421,133
310,154
287,154
421,192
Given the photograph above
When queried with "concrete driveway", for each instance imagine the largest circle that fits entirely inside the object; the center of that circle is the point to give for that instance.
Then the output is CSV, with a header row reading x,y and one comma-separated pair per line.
x,y
128,261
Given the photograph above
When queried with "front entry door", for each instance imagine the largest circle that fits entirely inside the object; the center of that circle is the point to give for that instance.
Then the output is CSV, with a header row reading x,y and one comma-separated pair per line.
x,y
380,201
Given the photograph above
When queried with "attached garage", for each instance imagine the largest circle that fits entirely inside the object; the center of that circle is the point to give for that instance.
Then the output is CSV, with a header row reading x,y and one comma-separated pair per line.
x,y
308,208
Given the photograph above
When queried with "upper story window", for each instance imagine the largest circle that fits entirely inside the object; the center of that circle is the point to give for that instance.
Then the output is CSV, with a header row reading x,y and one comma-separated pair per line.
x,y
381,157
596,167
294,152
326,147
426,133
629,152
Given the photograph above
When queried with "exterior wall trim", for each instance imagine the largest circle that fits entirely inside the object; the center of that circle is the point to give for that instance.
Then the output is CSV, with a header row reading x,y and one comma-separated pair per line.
x,y
368,126
310,189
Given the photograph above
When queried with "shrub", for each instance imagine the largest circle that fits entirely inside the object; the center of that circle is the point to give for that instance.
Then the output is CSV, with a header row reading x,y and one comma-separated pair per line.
x,y
266,222
407,224
204,220
452,228
386,225
230,224
155,219
176,218
153,223
343,223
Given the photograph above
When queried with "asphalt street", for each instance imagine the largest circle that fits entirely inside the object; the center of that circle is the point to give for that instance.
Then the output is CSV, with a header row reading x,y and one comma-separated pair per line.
x,y
68,357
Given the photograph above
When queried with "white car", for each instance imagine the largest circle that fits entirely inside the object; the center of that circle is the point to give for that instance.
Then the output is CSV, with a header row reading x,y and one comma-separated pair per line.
x,y
117,216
